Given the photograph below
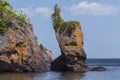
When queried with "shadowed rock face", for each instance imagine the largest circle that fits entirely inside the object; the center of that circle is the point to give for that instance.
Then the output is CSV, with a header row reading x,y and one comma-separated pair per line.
x,y
70,39
19,49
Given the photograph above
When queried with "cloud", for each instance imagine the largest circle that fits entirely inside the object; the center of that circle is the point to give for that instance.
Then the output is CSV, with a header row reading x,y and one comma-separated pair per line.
x,y
93,8
45,11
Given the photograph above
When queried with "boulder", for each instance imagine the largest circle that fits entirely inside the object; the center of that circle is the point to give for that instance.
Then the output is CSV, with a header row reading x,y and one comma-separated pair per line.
x,y
100,68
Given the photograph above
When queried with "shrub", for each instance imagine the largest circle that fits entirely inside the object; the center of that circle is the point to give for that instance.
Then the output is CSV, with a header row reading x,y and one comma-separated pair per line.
x,y
21,17
5,7
7,14
42,47
70,24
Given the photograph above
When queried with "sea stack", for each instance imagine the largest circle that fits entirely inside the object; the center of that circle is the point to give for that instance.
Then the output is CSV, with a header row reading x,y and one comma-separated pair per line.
x,y
70,39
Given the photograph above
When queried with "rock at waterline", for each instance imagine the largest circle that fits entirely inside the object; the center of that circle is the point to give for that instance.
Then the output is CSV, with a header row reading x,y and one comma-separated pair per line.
x,y
100,68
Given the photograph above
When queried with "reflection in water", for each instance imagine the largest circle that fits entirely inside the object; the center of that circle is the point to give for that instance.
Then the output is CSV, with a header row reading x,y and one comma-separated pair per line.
x,y
71,75
17,76
42,76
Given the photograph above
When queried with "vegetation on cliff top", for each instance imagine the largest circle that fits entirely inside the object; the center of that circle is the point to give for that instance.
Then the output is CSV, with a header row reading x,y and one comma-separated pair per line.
x,y
7,14
58,21
70,24
5,7
56,17
42,47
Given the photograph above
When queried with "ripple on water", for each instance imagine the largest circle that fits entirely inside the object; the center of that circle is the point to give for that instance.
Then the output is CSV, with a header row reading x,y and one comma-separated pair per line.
x,y
112,73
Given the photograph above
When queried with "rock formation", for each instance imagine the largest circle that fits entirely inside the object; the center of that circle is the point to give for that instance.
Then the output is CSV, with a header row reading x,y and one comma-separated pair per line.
x,y
70,38
99,68
19,50
71,42
19,46
48,55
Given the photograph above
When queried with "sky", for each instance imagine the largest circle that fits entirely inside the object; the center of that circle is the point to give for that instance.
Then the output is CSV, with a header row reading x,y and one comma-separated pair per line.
x,y
99,19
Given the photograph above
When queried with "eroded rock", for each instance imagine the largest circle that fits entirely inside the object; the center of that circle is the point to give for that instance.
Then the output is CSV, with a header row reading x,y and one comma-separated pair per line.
x,y
19,50
70,39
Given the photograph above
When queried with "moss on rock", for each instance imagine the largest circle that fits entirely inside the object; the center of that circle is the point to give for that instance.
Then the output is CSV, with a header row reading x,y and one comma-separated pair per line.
x,y
70,24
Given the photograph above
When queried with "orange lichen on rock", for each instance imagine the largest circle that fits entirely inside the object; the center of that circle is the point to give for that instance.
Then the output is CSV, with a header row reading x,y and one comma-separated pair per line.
x,y
11,44
79,37
21,50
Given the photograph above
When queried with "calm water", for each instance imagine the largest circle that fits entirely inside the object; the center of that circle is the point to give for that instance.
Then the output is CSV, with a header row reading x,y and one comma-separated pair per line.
x,y
112,73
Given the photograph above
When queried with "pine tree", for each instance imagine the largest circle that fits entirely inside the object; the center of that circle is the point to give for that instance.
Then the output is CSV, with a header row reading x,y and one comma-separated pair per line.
x,y
56,18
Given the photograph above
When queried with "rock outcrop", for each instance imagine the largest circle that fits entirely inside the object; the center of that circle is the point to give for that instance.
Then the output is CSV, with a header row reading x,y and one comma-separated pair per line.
x,y
48,55
19,46
100,68
70,38
19,50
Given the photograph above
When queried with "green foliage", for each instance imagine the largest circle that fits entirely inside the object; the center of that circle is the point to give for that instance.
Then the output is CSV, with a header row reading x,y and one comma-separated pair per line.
x,y
7,14
5,7
42,47
59,22
70,24
56,17
22,17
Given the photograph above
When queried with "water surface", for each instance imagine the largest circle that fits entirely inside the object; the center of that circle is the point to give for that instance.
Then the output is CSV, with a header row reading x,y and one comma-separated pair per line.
x,y
112,73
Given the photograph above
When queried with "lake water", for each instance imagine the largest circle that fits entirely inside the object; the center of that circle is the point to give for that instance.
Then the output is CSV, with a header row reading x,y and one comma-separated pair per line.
x,y
112,73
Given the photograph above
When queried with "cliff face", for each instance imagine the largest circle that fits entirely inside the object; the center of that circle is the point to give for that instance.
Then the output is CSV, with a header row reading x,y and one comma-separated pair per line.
x,y
48,55
70,39
19,50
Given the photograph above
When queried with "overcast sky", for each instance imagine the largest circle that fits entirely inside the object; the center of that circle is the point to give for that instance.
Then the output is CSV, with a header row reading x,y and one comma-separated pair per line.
x,y
100,21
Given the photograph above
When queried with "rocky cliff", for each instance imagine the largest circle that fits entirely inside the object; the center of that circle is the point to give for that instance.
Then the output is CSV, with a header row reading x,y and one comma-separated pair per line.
x,y
70,38
19,50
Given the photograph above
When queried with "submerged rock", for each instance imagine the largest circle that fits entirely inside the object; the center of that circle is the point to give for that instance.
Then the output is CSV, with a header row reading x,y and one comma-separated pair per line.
x,y
100,68
70,38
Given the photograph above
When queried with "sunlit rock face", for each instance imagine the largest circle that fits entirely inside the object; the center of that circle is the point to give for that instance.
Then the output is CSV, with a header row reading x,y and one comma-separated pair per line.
x,y
70,39
19,50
